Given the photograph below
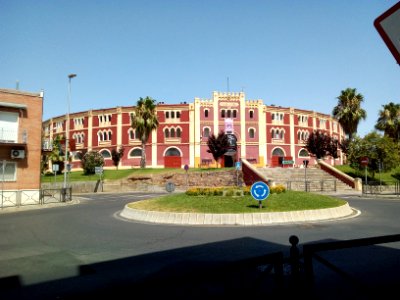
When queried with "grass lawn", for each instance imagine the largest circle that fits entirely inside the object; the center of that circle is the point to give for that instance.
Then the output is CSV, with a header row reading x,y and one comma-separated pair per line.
x,y
287,201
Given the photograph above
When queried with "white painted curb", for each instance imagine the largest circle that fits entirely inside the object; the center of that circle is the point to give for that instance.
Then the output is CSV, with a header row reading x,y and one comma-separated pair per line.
x,y
243,219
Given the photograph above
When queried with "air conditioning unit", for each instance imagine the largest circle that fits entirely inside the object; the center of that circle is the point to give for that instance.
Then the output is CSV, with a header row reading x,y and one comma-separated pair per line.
x,y
17,153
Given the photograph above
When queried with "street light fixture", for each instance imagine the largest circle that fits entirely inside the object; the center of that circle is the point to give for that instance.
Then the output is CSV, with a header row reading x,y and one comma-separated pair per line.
x,y
70,76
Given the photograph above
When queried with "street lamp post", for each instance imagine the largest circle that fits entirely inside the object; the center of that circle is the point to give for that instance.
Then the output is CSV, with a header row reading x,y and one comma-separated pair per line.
x,y
70,76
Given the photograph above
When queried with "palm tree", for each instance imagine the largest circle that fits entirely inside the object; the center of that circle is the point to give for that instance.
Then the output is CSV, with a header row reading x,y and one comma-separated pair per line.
x,y
144,120
348,111
389,120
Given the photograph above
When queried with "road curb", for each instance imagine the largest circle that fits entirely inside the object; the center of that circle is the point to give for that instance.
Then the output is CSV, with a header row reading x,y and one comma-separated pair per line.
x,y
243,219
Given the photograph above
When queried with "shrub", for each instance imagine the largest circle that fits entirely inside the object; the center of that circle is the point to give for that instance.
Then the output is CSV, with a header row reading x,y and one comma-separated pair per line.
x,y
91,160
214,191
277,189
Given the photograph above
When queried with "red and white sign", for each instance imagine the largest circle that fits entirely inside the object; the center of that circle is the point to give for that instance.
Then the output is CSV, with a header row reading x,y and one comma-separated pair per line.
x,y
388,26
364,161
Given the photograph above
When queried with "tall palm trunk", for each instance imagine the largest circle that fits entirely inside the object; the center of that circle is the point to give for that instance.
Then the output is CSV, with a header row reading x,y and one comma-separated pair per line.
x,y
143,158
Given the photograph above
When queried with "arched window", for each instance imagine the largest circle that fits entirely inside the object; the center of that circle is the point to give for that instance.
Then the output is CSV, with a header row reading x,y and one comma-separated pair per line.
x,y
99,136
135,152
166,133
278,152
131,134
105,153
251,133
206,132
178,132
172,152
303,153
109,135
172,132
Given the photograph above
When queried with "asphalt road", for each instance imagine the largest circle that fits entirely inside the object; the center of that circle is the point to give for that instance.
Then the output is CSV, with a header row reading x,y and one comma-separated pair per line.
x,y
60,252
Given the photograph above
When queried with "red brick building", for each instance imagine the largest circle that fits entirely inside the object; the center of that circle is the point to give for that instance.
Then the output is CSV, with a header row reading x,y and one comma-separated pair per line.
x,y
265,135
20,146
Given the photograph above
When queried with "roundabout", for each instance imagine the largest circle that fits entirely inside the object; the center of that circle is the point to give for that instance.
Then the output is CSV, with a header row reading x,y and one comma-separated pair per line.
x,y
241,219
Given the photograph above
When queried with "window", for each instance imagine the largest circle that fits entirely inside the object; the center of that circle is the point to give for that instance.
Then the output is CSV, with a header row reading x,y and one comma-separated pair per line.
x,y
167,114
206,132
223,113
278,152
172,132
131,135
104,135
229,113
206,113
136,152
251,133
178,132
277,116
166,133
277,134
8,170
77,155
172,114
79,137
178,114
105,153
9,126
234,113
172,152
79,122
303,153
251,112
322,123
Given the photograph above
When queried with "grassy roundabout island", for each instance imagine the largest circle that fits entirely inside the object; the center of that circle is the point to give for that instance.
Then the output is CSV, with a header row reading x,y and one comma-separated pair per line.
x,y
230,204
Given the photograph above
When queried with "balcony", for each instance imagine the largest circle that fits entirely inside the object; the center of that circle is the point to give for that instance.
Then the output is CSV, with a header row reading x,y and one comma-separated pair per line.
x,y
13,136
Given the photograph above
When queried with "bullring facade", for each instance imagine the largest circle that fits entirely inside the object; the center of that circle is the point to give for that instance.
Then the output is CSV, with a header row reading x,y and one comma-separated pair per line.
x,y
266,135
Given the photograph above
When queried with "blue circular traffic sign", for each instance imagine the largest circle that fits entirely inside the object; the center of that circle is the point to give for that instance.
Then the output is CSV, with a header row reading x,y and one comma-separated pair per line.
x,y
259,190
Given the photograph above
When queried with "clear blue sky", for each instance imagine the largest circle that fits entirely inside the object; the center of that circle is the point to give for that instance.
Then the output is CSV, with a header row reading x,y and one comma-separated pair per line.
x,y
289,53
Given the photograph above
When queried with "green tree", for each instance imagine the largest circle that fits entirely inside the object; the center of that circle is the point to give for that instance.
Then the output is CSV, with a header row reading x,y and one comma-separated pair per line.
x,y
389,120
348,111
116,155
218,145
381,151
144,120
90,161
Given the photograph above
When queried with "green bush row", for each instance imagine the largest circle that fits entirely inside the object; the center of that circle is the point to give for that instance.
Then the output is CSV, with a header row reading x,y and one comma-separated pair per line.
x,y
229,191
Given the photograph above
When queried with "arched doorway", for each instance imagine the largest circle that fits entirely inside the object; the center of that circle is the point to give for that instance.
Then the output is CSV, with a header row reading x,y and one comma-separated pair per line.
x,y
172,158
277,157
230,155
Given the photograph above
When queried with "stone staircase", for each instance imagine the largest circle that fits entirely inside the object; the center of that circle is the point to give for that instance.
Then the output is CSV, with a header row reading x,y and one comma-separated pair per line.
x,y
296,178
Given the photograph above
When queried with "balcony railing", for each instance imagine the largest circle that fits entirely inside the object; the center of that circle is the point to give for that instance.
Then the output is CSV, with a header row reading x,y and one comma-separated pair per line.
x,y
13,136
